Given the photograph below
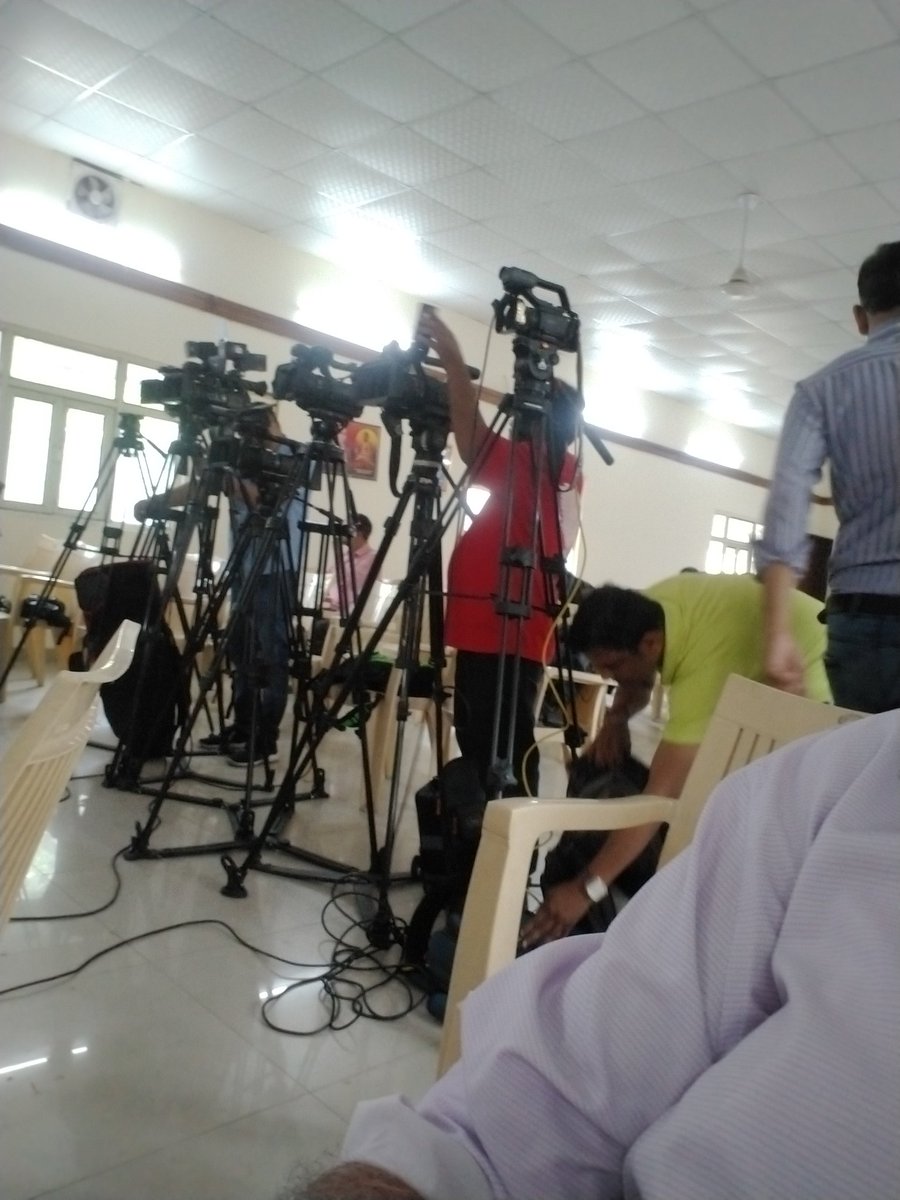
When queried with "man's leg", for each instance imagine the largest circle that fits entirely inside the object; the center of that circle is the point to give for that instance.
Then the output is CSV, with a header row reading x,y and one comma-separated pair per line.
x,y
863,661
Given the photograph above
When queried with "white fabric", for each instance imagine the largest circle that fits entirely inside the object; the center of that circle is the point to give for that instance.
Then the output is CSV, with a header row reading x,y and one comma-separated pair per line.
x,y
735,1034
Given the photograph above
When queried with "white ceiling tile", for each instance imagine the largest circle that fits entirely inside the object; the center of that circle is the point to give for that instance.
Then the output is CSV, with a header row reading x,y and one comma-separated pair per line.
x,y
682,302
585,28
263,139
594,256
695,193
211,53
828,213
486,44
572,100
555,175
890,189
249,212
75,143
345,181
545,226
778,38
20,121
216,165
398,82
46,36
766,225
116,123
857,91
853,246
166,95
312,34
618,313
740,123
875,151
413,211
662,243
475,194
614,210
634,282
134,22
677,65
395,15
798,170
324,112
406,155
840,308
700,271
282,195
641,149
891,9
477,244
823,285
33,87
481,132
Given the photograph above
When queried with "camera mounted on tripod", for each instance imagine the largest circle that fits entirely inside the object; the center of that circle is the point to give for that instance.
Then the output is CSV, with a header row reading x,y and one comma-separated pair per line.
x,y
209,388
520,311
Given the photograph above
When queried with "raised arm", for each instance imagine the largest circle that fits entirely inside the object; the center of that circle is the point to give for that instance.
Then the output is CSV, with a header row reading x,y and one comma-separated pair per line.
x,y
468,426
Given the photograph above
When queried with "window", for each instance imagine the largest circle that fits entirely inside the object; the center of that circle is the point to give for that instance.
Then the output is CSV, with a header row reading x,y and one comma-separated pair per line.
x,y
29,448
730,550
60,367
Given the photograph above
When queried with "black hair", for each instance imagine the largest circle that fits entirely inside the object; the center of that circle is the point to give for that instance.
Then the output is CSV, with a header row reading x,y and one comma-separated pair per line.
x,y
614,618
362,525
878,281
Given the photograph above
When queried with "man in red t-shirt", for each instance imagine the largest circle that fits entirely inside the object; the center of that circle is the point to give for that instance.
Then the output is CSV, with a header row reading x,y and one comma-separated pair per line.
x,y
522,483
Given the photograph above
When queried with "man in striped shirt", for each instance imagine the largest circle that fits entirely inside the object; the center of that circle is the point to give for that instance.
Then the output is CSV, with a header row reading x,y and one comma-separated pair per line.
x,y
847,414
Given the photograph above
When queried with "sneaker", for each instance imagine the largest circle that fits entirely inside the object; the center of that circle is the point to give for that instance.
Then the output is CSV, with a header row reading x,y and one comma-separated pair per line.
x,y
227,739
239,756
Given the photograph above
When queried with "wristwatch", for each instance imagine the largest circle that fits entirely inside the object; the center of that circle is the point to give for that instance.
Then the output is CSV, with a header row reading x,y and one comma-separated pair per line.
x,y
594,888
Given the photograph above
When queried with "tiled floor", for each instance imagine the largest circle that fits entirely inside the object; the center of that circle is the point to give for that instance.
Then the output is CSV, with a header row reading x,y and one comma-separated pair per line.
x,y
152,1074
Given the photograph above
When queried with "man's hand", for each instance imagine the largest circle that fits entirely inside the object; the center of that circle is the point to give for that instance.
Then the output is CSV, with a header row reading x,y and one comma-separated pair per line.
x,y
784,665
563,907
612,745
140,510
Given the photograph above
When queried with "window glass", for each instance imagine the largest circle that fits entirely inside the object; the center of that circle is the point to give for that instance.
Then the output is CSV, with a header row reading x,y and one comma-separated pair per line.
x,y
58,366
719,522
134,377
713,564
738,530
29,444
139,475
82,450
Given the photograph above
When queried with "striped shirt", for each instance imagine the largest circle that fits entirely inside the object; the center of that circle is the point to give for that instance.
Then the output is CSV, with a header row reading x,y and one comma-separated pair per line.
x,y
849,415
734,1034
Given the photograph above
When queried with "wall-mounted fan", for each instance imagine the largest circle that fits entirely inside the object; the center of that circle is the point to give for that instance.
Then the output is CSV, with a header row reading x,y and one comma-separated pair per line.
x,y
95,194
741,282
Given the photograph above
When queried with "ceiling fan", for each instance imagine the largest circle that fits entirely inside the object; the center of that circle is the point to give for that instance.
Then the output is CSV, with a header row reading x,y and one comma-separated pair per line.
x,y
741,282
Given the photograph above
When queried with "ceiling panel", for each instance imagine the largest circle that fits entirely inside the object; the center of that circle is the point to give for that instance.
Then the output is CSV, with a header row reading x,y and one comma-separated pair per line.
x,y
603,146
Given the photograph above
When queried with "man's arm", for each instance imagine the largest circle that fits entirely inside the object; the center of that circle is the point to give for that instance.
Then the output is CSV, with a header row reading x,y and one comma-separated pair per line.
x,y
466,422
613,741
781,554
566,903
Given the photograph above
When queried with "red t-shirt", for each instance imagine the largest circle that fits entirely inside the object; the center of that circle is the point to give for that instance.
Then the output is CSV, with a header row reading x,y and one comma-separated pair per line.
x,y
473,579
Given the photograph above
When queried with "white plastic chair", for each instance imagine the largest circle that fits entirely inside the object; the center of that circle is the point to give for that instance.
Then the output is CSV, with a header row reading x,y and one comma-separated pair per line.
x,y
750,721
40,758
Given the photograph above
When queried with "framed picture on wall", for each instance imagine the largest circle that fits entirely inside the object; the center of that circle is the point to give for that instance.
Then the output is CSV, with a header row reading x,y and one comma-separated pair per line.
x,y
361,443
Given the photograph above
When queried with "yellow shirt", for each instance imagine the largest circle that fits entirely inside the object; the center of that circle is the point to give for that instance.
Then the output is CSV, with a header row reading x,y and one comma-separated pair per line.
x,y
714,627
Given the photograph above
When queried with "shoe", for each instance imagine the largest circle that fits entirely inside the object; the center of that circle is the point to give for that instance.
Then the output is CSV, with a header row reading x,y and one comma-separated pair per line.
x,y
227,739
239,756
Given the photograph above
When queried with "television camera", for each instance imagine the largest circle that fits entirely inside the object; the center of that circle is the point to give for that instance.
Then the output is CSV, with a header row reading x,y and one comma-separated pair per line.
x,y
209,388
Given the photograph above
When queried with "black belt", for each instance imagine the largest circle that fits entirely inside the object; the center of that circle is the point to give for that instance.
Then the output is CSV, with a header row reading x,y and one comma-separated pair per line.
x,y
868,604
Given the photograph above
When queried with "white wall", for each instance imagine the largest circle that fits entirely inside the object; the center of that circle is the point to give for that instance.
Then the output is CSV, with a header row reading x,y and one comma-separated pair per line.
x,y
644,518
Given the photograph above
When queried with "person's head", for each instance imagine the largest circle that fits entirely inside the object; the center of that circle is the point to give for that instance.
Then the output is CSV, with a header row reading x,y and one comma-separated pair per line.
x,y
362,529
878,284
621,632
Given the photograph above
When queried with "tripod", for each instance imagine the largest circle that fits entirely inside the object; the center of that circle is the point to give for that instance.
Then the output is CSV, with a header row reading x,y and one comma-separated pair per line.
x,y
128,443
263,559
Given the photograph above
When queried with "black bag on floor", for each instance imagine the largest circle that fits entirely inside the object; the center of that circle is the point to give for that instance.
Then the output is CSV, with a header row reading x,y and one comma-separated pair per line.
x,y
146,705
574,851
450,810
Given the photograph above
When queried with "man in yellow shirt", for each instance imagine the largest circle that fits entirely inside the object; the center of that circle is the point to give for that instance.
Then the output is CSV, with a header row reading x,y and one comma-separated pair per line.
x,y
694,630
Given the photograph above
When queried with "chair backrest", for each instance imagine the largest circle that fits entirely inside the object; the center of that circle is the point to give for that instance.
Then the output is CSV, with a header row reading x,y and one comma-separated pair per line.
x,y
750,721
40,758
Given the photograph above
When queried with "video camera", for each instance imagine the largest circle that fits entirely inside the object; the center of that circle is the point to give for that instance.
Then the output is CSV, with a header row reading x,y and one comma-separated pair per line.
x,y
520,311
310,381
209,388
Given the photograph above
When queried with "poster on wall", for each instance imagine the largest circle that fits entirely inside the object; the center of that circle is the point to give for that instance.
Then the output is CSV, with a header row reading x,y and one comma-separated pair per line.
x,y
361,443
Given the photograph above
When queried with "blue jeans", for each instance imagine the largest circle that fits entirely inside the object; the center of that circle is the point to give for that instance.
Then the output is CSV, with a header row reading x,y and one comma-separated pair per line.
x,y
263,662
863,661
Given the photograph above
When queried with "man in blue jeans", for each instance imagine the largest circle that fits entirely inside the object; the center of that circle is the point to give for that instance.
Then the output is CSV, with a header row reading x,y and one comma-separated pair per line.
x,y
847,414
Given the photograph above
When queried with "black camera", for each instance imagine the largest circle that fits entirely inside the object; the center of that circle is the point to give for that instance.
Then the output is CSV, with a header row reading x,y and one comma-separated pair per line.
x,y
309,380
398,382
520,311
209,387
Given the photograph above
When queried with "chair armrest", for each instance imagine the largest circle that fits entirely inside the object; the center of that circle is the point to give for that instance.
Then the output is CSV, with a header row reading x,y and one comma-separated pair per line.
x,y
489,931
